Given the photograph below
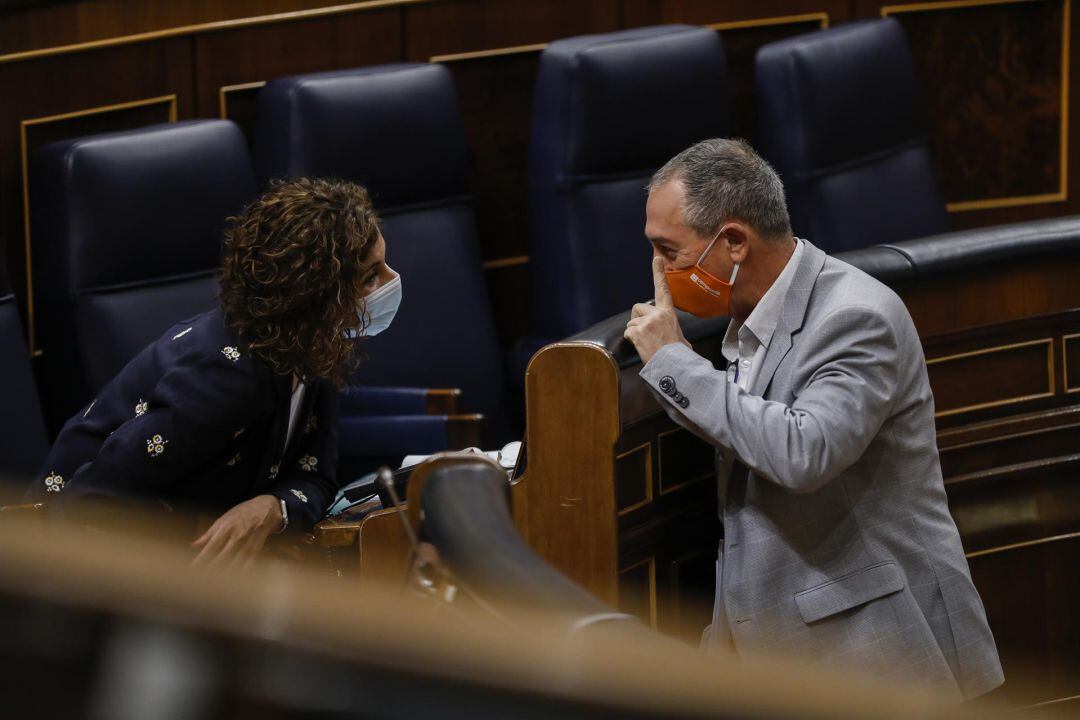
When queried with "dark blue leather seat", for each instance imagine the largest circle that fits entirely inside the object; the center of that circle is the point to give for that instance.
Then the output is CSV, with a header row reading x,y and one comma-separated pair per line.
x,y
396,130
609,110
126,242
838,117
22,431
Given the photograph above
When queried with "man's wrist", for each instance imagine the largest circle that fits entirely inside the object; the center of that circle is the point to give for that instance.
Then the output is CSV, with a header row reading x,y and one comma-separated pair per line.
x,y
659,350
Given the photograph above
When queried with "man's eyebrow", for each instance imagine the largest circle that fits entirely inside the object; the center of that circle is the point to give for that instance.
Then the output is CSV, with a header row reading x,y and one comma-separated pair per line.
x,y
660,241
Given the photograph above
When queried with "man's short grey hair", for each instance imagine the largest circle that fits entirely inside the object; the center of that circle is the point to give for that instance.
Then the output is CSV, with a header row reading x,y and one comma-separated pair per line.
x,y
724,180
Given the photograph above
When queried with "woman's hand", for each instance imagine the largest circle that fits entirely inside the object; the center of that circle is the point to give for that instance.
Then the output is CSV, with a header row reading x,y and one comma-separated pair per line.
x,y
236,537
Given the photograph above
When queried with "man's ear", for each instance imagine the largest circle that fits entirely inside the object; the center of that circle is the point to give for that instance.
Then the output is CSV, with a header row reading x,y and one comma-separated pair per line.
x,y
738,241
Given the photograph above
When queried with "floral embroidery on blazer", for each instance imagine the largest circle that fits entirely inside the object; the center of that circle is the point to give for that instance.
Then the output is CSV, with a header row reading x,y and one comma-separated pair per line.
x,y
54,483
196,411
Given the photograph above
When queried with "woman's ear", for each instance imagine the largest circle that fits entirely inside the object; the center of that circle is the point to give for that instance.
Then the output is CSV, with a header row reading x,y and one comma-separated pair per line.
x,y
738,241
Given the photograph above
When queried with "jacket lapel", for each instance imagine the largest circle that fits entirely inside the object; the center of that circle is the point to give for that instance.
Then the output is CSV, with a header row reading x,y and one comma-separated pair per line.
x,y
302,415
283,401
281,386
791,318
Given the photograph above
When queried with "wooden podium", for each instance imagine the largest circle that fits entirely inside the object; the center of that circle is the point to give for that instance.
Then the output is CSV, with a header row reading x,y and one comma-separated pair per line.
x,y
614,494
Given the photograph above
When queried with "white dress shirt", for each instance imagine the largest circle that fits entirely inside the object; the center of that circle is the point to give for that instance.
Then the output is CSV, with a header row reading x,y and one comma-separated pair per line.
x,y
745,345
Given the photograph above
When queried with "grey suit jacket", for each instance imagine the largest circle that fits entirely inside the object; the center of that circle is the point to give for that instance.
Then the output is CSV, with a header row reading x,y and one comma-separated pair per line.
x,y
839,545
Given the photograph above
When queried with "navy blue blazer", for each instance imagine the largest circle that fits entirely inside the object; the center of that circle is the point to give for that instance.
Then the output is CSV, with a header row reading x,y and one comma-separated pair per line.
x,y
196,421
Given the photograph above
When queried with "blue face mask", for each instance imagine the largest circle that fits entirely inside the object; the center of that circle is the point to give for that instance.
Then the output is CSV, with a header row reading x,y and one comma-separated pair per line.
x,y
380,306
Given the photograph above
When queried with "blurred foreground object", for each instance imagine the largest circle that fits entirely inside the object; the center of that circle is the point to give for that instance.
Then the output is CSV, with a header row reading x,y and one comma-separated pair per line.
x,y
93,629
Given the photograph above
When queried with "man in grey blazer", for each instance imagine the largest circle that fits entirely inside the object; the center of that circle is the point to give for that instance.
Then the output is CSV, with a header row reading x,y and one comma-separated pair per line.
x,y
839,546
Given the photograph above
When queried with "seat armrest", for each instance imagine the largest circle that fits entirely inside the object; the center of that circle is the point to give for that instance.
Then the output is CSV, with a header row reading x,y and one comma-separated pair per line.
x,y
365,400
340,530
608,334
883,262
939,254
400,435
24,509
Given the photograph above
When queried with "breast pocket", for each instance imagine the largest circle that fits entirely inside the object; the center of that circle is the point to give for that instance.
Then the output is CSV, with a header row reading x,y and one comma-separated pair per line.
x,y
849,591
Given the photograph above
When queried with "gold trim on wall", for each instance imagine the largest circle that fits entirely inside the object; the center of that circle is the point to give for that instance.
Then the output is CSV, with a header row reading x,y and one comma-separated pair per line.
x,y
1051,376
1062,193
887,10
224,90
216,26
660,453
652,593
1065,364
651,560
992,440
647,447
24,159
506,262
494,52
821,17
1025,544
348,8
1055,701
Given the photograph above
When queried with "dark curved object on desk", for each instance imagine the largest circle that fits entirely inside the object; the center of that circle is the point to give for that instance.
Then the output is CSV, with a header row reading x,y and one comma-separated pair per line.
x,y
467,517
970,248
965,249
883,262
608,334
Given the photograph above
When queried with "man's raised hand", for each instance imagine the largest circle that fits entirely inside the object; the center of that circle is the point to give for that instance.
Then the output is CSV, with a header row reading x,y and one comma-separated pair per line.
x,y
662,292
651,327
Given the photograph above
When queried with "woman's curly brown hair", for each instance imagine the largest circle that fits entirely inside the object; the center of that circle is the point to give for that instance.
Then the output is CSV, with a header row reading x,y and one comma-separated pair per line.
x,y
291,281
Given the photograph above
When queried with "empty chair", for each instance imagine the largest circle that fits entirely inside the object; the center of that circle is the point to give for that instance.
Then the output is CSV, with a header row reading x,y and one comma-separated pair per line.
x,y
22,431
126,242
396,130
608,111
838,117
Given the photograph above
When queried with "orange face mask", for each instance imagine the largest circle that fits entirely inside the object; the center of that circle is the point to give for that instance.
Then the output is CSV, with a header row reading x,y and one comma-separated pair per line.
x,y
699,292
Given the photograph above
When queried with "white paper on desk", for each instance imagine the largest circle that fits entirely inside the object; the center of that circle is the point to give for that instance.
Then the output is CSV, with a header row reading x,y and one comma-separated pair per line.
x,y
507,457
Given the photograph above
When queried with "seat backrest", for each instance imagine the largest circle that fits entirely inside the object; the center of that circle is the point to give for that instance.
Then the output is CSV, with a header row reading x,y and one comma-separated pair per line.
x,y
22,431
126,242
608,111
396,130
838,117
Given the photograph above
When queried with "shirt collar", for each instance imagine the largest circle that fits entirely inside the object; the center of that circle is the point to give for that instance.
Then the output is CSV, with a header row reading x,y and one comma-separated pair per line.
x,y
765,316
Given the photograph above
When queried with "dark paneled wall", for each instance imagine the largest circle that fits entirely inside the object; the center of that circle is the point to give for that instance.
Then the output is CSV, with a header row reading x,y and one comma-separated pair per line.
x,y
996,85
995,79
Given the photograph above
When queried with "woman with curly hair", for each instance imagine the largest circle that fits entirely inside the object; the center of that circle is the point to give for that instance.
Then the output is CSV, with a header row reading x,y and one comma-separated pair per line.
x,y
235,410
